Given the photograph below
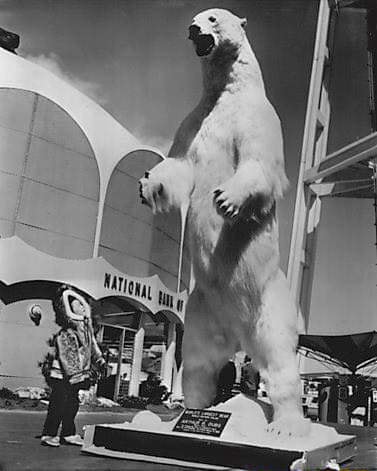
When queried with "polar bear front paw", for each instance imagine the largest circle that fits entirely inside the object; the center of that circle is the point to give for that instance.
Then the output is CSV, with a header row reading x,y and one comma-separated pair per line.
x,y
229,201
152,193
290,427
233,202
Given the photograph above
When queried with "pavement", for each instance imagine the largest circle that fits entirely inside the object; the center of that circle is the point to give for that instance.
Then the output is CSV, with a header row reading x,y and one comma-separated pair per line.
x,y
21,450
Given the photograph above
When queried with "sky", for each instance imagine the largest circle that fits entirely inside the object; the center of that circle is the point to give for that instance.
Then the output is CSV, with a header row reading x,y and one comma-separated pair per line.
x,y
133,57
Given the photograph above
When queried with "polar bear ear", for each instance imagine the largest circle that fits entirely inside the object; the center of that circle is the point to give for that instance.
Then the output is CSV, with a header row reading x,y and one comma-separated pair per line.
x,y
243,22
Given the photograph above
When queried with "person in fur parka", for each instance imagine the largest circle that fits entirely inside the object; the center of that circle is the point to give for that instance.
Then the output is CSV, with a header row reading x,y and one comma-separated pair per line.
x,y
69,367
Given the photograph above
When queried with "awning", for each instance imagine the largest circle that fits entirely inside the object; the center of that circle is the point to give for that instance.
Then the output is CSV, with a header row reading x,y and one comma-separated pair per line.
x,y
27,273
352,352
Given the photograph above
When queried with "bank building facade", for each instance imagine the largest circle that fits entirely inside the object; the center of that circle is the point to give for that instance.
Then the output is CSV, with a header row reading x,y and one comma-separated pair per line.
x,y
70,213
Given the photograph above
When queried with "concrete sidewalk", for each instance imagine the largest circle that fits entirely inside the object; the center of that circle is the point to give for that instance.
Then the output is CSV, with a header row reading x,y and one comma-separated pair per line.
x,y
20,450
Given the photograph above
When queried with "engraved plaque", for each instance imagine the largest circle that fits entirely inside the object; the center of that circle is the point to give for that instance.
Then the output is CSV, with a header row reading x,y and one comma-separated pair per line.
x,y
202,422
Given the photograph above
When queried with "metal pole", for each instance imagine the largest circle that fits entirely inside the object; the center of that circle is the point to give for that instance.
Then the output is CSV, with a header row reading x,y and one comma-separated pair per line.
x,y
133,389
169,359
372,82
119,366
183,211
373,167
300,263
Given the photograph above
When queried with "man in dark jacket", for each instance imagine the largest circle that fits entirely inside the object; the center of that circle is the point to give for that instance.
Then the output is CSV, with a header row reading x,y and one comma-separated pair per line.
x,y
250,378
225,383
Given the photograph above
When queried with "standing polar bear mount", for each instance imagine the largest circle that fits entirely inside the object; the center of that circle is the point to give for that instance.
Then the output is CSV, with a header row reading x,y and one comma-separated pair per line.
x,y
227,165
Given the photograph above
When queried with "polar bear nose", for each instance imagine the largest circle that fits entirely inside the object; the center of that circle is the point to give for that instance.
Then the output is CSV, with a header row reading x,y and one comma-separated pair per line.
x,y
194,31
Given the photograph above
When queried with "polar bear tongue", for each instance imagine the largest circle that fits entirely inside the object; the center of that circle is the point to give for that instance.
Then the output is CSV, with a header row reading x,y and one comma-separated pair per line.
x,y
204,44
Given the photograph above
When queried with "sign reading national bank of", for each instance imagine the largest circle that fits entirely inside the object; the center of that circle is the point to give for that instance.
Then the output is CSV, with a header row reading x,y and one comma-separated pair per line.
x,y
95,277
150,291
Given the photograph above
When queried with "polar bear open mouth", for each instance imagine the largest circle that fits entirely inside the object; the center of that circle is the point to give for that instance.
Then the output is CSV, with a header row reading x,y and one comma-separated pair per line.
x,y
204,44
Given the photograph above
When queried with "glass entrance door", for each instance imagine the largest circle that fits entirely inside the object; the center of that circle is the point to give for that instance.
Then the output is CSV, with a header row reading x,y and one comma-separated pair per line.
x,y
118,348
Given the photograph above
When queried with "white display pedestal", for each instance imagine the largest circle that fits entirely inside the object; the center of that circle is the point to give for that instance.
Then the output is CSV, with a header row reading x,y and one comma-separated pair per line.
x,y
242,443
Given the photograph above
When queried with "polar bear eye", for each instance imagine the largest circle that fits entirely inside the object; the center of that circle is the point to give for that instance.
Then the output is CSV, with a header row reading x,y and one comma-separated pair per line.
x,y
212,19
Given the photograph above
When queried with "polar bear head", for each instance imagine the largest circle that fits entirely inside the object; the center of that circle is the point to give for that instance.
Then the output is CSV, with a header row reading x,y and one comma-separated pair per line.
x,y
217,29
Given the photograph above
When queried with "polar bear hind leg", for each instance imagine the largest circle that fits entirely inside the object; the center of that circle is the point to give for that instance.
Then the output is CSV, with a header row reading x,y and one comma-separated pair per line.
x,y
205,351
274,348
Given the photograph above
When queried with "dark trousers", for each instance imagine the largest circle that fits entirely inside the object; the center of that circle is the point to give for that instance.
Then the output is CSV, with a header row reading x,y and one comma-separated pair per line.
x,y
62,409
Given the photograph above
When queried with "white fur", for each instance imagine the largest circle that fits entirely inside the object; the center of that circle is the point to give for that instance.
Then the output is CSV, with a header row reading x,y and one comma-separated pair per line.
x,y
227,163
